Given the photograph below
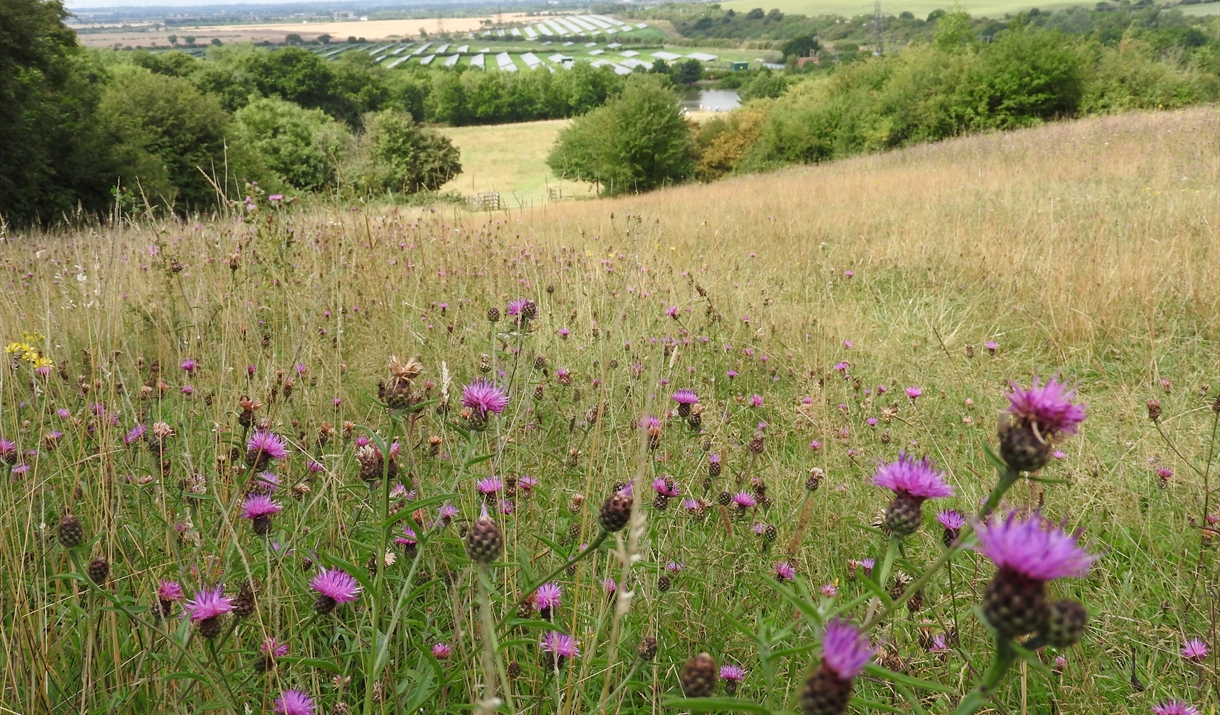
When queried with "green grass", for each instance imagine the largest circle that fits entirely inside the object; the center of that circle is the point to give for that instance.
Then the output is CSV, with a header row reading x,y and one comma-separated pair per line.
x,y
1211,8
510,159
1086,249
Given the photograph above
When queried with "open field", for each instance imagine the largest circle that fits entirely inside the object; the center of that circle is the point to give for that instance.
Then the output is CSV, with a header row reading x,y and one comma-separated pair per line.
x,y
510,159
827,317
1210,8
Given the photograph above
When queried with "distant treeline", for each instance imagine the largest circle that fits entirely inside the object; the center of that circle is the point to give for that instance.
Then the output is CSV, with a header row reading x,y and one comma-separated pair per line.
x,y
88,130
955,84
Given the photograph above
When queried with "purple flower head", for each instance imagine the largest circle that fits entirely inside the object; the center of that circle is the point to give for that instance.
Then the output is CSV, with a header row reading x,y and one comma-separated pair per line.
x,y
868,564
441,651
1033,548
830,590
609,586
685,397
756,401
951,519
845,650
294,702
714,459
991,346
527,483
560,645
407,538
674,567
189,365
1048,408
914,392
257,505
336,584
489,485
918,479
484,397
672,311
733,673
939,644
660,486
784,571
650,423
1195,650
136,434
515,307
273,647
447,512
269,444
169,591
547,596
209,604
744,500
1174,707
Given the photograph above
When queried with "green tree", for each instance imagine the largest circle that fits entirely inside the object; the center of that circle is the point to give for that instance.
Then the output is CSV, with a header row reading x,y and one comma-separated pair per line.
x,y
299,145
637,142
167,135
400,156
803,46
52,158
687,71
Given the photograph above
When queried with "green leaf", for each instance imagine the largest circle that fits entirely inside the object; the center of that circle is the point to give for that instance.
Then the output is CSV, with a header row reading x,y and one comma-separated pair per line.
x,y
328,664
184,675
798,650
885,674
477,460
801,604
993,459
714,705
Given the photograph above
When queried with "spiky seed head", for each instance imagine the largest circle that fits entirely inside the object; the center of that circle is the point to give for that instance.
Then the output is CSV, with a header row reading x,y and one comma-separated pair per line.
x,y
713,469
1065,624
98,570
615,512
493,315
243,604
540,362
1015,604
340,708
663,583
514,669
484,541
1154,410
770,533
699,676
724,499
71,533
648,648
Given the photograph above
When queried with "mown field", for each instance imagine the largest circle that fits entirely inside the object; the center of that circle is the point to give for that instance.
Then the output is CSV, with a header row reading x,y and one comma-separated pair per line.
x,y
828,318
511,159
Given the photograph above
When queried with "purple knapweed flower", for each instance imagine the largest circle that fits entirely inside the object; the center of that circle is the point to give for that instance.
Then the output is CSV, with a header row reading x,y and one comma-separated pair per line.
x,y
685,397
744,500
1174,707
135,434
264,446
660,486
441,651
274,648
1195,650
208,603
169,591
547,598
784,571
1048,408
845,650
915,479
336,585
484,398
258,505
914,393
294,702
1037,550
560,646
489,485
756,401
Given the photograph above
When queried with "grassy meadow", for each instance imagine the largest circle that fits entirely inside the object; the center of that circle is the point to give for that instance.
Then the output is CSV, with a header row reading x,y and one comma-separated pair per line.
x,y
510,159
800,306
920,8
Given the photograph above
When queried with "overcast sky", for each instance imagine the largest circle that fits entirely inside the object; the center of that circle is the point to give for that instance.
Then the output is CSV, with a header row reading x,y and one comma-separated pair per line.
x,y
74,4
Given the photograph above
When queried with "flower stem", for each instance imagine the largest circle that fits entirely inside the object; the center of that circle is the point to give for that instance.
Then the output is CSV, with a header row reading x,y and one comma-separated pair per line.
x,y
977,698
567,564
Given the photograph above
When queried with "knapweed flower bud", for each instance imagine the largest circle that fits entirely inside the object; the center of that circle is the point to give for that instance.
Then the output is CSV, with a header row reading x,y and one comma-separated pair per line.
x,y
1065,624
71,533
616,511
648,648
699,676
98,570
484,541
1154,410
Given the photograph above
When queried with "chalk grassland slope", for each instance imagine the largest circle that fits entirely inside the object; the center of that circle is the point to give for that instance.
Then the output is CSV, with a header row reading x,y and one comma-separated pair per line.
x,y
511,159
1088,247
1075,232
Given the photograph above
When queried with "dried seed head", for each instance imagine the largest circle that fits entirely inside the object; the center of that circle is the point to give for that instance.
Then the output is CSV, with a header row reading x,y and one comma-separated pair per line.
x,y
699,676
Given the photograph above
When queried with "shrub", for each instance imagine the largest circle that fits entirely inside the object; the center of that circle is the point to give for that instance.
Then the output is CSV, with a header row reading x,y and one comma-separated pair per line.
x,y
299,145
636,142
396,155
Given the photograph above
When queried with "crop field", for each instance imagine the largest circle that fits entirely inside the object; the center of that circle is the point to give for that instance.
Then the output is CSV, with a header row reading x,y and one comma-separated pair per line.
x,y
632,455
